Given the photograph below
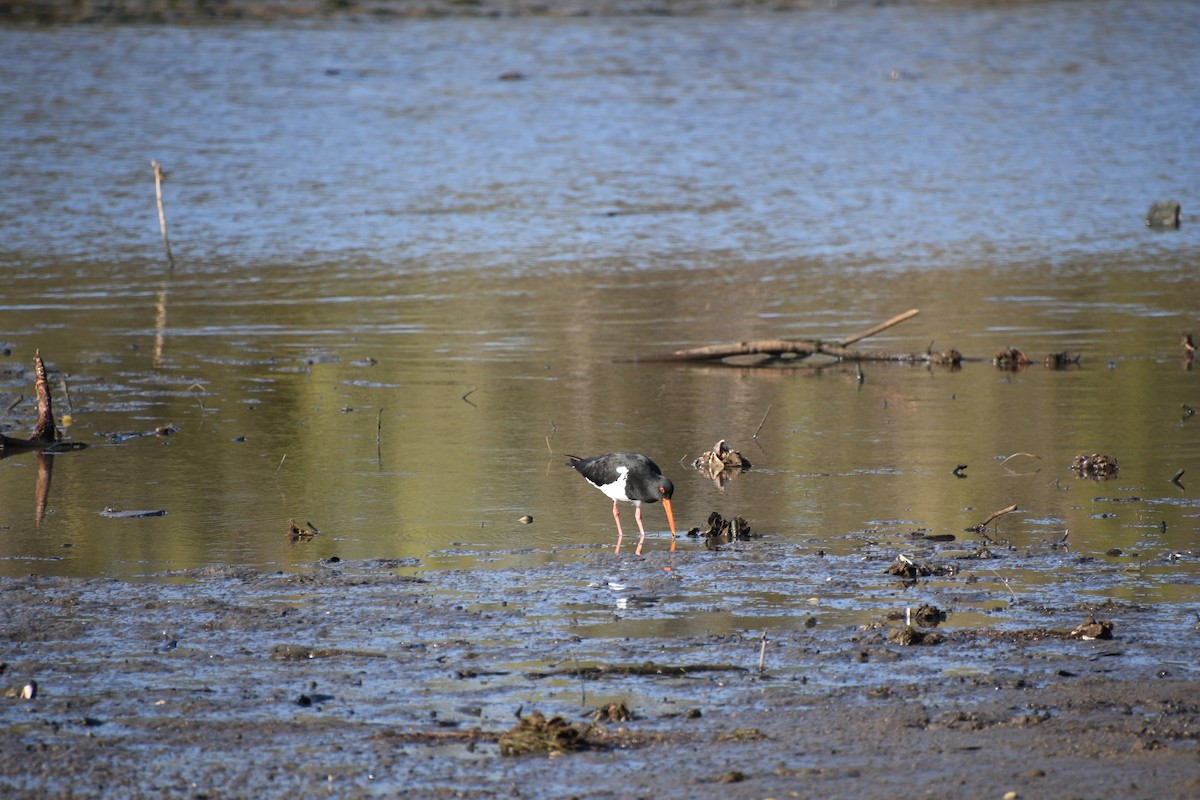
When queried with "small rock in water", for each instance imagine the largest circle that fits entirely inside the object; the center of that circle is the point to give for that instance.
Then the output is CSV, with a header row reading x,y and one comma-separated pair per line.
x,y
1164,215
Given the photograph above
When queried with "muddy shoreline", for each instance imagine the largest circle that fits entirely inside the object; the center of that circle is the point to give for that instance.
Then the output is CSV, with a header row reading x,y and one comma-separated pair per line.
x,y
353,679
206,11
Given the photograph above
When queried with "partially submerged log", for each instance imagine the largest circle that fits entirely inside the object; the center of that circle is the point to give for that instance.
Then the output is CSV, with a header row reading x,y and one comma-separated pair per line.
x,y
800,349
45,432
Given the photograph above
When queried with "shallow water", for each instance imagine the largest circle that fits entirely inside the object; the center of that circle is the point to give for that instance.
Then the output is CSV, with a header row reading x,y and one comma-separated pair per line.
x,y
405,282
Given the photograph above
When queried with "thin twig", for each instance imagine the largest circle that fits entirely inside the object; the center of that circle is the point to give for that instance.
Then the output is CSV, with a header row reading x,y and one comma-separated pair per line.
x,y
1014,455
763,422
20,399
582,684
276,475
762,653
470,392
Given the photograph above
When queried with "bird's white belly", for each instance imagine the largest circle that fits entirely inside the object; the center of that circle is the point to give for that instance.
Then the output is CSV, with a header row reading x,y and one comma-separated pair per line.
x,y
616,490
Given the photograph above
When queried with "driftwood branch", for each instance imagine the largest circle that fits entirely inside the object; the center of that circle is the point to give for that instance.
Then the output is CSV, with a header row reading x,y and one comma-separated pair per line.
x,y
778,348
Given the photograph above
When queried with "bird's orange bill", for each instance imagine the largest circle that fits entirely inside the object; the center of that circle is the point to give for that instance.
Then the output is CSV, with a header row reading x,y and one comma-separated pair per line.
x,y
670,516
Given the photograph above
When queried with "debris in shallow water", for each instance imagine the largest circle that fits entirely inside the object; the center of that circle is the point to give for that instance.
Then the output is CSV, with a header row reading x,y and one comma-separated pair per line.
x,y
928,616
613,712
526,520
723,531
1011,358
1164,215
536,734
742,735
1061,360
296,533
721,457
720,464
1095,466
909,635
1093,629
109,511
906,567
946,358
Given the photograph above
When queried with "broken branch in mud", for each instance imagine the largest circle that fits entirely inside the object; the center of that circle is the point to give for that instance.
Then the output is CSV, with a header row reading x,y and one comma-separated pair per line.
x,y
800,349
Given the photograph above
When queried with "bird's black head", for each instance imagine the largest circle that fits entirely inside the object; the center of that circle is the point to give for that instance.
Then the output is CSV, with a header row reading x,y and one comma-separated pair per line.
x,y
664,489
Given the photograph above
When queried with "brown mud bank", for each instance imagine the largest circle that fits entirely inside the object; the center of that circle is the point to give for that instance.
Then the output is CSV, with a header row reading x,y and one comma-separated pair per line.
x,y
356,679
199,11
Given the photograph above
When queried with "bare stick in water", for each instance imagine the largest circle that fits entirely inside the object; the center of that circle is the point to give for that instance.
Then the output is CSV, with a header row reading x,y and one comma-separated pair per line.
x,y
763,422
883,326
162,215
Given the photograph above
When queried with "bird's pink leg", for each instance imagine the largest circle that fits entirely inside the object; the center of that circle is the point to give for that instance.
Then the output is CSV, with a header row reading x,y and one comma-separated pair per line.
x,y
620,533
637,515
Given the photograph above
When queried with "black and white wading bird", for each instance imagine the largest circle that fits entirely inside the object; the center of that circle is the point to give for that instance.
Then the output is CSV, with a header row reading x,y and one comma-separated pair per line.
x,y
628,478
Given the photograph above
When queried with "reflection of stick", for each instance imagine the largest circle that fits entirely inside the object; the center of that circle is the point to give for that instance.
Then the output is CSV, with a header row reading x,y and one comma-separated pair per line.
x,y
162,215
160,318
379,438
45,467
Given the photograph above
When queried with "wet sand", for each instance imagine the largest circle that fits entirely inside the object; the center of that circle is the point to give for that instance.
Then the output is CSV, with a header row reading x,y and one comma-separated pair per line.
x,y
356,679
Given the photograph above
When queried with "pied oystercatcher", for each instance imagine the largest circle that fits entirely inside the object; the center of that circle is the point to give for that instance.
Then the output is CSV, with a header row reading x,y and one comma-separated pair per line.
x,y
629,478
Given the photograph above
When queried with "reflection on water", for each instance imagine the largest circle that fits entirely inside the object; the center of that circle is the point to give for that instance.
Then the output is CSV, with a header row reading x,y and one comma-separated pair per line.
x,y
403,287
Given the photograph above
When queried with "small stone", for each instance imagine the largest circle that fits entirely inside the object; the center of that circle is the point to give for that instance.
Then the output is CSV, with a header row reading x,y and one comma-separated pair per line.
x,y
1164,215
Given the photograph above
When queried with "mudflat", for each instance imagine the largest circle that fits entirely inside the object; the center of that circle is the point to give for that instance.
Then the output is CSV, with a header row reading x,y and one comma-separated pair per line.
x,y
355,679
